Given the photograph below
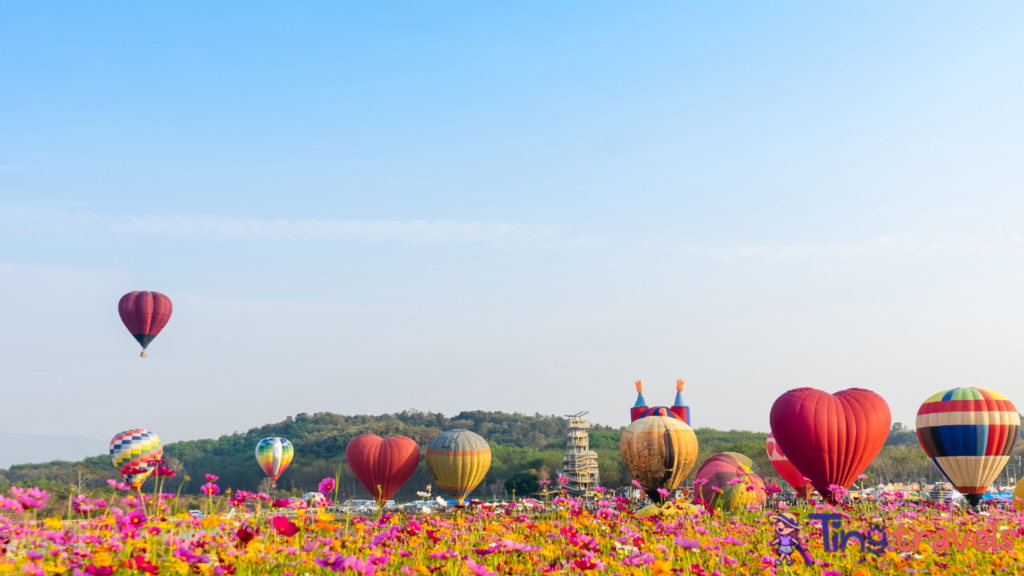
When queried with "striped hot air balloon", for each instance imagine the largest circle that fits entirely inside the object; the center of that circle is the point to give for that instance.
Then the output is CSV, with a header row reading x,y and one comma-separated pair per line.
x,y
135,453
969,434
659,452
274,455
458,461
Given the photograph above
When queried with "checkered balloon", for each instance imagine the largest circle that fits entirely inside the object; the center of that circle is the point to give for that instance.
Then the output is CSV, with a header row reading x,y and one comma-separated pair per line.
x,y
135,453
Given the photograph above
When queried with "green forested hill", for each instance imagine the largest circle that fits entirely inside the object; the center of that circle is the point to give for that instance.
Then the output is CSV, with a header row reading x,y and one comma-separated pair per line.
x,y
518,442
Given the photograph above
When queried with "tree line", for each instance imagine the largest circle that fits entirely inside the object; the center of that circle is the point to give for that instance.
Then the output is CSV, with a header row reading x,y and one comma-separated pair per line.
x,y
519,443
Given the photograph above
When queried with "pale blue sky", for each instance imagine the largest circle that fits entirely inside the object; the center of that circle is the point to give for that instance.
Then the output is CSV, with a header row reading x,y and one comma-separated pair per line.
x,y
523,207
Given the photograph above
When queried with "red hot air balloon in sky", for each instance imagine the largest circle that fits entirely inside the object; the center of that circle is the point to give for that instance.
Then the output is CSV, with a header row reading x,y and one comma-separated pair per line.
x,y
382,465
830,438
145,314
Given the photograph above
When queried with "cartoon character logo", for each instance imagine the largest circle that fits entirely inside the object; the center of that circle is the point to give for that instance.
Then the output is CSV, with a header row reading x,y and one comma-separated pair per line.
x,y
787,539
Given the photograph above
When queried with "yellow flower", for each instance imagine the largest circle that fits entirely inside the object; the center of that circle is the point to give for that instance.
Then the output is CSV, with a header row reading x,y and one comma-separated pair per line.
x,y
178,566
102,559
55,567
5,567
53,523
660,568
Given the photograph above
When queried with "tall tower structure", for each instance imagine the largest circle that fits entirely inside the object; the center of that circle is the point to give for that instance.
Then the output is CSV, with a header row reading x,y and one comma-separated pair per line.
x,y
580,463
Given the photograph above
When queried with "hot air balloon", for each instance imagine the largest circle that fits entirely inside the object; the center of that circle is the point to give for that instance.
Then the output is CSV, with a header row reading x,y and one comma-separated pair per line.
x,y
717,472
145,314
274,455
458,460
659,452
135,453
830,438
786,469
969,434
382,465
314,499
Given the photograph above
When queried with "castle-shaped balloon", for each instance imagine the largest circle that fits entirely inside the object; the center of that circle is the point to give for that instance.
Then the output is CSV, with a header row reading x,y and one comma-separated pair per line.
x,y
640,410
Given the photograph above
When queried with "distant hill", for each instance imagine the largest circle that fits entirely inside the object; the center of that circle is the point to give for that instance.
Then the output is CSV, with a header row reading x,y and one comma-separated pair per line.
x,y
518,442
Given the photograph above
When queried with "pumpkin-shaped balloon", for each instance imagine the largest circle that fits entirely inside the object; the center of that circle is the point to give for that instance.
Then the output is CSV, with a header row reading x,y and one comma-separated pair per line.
x,y
730,481
659,452
135,453
969,434
458,460
274,455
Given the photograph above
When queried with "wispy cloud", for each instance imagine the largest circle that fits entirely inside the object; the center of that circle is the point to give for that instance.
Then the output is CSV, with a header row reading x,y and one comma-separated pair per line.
x,y
990,246
430,232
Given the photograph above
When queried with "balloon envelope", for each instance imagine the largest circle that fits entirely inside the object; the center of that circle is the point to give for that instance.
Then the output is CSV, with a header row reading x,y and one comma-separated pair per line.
x,y
382,465
969,434
659,452
314,499
274,455
786,469
458,460
830,438
145,314
135,453
719,471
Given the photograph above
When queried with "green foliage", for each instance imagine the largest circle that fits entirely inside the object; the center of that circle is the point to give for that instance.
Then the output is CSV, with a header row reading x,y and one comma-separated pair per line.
x,y
523,483
518,443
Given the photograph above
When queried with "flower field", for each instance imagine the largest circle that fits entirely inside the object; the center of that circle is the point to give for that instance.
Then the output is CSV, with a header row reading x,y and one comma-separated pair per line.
x,y
247,533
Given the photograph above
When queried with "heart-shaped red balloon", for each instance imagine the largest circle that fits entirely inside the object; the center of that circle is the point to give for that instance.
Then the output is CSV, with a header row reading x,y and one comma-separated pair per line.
x,y
830,438
382,465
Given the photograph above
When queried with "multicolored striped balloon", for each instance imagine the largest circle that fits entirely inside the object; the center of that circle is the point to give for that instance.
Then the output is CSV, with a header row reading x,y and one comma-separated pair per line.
x,y
135,453
717,472
274,455
969,434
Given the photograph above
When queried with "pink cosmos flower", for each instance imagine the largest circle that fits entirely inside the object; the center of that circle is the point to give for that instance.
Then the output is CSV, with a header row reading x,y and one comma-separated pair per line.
x,y
478,569
513,546
334,562
326,485
284,526
685,543
212,478
637,484
210,489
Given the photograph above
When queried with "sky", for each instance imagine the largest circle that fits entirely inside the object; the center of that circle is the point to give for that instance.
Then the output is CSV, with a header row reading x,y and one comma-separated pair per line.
x,y
526,207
